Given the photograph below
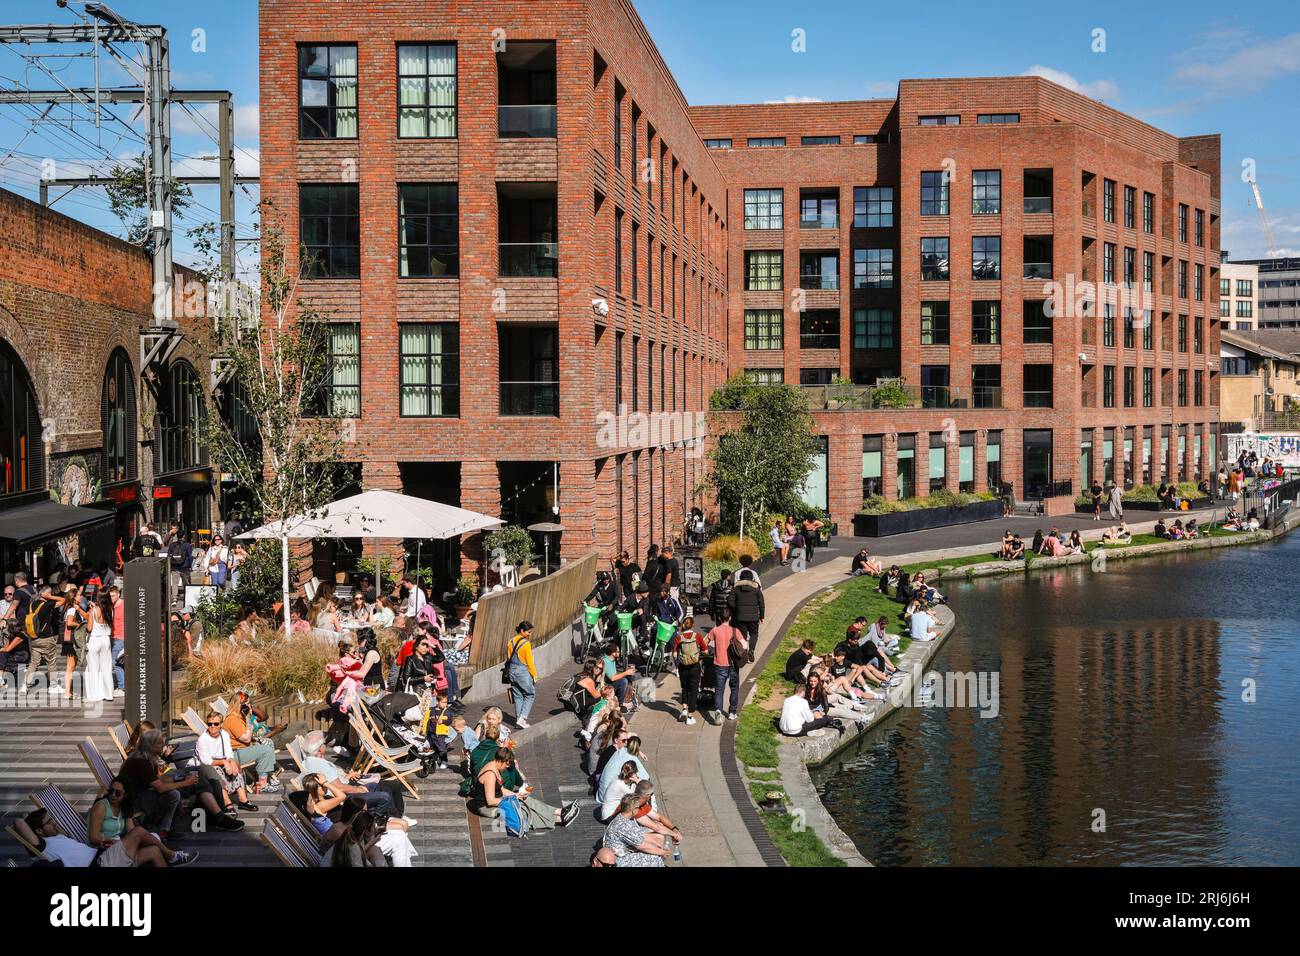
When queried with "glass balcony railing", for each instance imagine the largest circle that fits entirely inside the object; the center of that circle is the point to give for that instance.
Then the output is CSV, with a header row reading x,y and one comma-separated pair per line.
x,y
1038,399
1038,270
819,340
530,398
986,396
825,220
819,280
896,395
1040,204
530,259
936,396
526,122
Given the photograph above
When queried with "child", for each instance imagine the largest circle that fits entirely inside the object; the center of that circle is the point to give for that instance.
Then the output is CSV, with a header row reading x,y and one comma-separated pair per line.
x,y
462,731
437,727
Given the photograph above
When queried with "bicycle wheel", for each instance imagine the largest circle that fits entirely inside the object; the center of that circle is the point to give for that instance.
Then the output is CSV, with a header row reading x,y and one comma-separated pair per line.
x,y
654,667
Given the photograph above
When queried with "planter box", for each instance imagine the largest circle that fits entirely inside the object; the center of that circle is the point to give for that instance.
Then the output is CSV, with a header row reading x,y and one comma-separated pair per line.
x,y
901,522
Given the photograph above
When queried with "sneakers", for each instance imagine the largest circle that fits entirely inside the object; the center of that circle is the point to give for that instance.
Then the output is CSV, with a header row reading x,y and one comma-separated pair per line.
x,y
732,715
689,721
409,822
224,821
271,786
521,723
182,858
569,813
245,805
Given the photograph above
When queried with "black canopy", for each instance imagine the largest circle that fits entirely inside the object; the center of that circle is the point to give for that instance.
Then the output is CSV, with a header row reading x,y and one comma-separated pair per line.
x,y
30,525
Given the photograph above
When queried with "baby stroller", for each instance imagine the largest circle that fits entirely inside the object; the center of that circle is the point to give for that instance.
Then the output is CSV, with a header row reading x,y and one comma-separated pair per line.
x,y
387,715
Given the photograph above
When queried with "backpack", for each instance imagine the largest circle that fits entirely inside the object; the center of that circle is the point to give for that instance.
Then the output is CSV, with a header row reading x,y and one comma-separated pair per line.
x,y
688,649
176,553
738,649
513,817
32,624
568,692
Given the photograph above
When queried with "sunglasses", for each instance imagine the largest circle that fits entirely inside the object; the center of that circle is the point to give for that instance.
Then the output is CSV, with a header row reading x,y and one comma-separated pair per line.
x,y
213,723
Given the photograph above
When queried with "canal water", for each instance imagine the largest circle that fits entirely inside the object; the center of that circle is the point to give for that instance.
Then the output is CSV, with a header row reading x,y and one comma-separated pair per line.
x,y
1146,715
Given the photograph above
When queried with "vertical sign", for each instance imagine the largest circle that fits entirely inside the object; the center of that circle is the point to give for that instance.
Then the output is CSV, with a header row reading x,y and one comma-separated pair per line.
x,y
146,661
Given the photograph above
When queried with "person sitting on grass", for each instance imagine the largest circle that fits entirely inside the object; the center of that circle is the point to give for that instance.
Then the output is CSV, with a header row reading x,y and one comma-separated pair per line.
x,y
863,563
827,703
1076,543
1191,529
797,664
1017,548
797,718
1176,532
1116,534
1037,546
1161,530
1004,552
838,680
1053,546
890,579
1252,520
879,635
861,668
926,592
924,627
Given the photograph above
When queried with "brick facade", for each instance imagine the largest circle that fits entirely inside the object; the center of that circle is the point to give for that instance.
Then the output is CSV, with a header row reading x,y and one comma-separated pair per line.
x,y
686,320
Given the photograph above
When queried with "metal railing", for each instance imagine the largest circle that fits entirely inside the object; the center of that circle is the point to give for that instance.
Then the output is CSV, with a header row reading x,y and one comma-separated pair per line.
x,y
526,122
986,396
530,398
819,280
819,340
530,259
895,395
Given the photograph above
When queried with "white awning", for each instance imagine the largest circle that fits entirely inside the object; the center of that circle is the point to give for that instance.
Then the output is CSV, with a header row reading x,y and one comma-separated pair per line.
x,y
379,514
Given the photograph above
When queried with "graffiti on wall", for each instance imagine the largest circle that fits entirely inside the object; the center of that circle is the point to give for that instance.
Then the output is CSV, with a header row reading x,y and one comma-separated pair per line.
x,y
1283,447
73,481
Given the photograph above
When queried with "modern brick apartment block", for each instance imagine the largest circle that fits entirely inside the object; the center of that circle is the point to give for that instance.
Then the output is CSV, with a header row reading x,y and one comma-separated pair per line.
x,y
919,237
1239,297
517,224
516,227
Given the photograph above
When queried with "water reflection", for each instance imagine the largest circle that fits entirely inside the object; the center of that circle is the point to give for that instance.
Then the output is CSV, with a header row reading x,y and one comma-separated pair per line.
x,y
1122,695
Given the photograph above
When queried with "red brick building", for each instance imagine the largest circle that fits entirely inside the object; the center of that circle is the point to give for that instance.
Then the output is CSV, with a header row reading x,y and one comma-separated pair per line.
x,y
78,422
518,225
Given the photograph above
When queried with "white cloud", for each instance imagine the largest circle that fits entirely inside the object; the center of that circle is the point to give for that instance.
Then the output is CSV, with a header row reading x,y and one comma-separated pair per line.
x,y
1247,70
1098,89
796,99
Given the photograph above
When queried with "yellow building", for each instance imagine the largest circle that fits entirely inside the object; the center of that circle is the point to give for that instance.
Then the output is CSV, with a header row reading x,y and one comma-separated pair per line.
x,y
1259,387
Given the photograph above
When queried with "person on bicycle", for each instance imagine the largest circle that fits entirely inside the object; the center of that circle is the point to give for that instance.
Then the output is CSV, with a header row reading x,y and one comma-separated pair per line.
x,y
605,595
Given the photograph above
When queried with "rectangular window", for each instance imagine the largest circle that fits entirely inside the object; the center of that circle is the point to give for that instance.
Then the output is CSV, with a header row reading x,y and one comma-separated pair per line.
x,y
756,142
819,140
1182,333
873,328
1108,386
934,387
1130,385
816,376
1130,266
763,208
340,385
819,270
873,207
1182,222
618,250
1198,384
426,90
1108,325
997,118
1148,387
1225,307
934,323
993,460
986,386
948,119
1148,329
986,323
1037,323
934,258
528,370
1225,287
1038,386
763,329
986,257
1108,263
872,460
1198,283
986,192
1245,308
1149,213
428,231
718,143
765,376
636,261
1244,287
1128,328
873,268
1199,231
819,329
619,94
934,194
1108,200
1148,270
327,91
819,209
938,461
1182,387
866,139
329,231
1198,335
1182,279
1130,201
764,270
430,369
906,466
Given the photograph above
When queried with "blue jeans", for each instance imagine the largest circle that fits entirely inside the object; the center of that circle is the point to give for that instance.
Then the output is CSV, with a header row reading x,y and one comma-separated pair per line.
x,y
721,677
379,801
525,691
119,672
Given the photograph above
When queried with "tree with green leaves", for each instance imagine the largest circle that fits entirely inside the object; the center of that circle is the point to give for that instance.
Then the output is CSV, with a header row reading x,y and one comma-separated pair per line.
x,y
277,349
765,458
128,199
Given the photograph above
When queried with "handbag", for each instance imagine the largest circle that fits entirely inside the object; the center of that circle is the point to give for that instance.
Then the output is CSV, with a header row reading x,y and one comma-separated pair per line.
x,y
505,668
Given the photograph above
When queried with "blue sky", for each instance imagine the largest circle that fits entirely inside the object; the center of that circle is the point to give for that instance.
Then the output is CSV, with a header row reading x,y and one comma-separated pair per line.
x,y
1194,67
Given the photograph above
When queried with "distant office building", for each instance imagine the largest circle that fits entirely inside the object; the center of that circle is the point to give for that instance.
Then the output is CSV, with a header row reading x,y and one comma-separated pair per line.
x,y
1239,297
1278,295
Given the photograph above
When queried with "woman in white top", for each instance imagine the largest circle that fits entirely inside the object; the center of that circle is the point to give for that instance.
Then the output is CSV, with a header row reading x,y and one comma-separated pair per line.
x,y
383,614
99,651
218,559
620,788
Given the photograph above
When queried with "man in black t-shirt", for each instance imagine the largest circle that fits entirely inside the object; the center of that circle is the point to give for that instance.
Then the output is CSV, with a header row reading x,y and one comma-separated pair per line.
x,y
797,662
672,571
654,569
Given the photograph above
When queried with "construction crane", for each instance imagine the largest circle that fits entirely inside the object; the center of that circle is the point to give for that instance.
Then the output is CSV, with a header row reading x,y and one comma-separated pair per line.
x,y
1269,240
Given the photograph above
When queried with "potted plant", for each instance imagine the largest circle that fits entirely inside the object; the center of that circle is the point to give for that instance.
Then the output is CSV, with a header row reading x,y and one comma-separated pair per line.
x,y
466,593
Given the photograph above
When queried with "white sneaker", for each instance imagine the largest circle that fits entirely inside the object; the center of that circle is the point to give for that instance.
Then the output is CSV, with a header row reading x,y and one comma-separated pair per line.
x,y
409,822
819,732
119,693
690,721
731,716
521,723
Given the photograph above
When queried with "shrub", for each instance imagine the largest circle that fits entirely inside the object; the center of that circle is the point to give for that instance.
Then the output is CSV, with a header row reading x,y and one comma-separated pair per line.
x,y
261,576
383,578
1137,493
222,664
217,614
728,548
891,395
514,541
879,505
466,590
289,667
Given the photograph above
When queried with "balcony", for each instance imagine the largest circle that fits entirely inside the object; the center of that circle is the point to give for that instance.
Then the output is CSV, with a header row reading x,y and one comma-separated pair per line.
x,y
1038,205
819,280
819,340
530,399
821,220
986,396
526,122
538,260
1089,210
1038,399
1038,270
